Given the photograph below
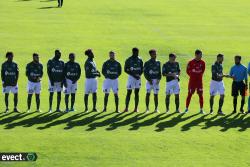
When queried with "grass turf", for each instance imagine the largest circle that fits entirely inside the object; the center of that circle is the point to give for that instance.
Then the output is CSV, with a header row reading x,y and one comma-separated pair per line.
x,y
128,139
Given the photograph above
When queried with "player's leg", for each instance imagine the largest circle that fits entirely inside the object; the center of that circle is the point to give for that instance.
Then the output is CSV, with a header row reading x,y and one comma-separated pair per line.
x,y
15,102
147,98
188,100
156,91
51,94
29,101
221,102
94,98
67,102
86,97
38,102
177,102
59,97
211,102
129,92
242,93
59,3
106,97
235,96
249,104
137,90
6,101
156,102
73,99
201,100
167,102
116,102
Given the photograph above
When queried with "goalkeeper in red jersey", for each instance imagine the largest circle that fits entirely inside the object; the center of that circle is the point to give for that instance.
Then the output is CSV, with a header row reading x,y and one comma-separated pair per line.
x,y
195,70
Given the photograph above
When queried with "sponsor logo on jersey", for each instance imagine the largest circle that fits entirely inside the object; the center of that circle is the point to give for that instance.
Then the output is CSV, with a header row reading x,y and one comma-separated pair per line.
x,y
9,73
56,70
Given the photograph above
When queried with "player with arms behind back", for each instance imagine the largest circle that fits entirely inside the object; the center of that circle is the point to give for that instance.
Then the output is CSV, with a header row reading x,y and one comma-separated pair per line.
x,y
111,70
34,73
152,73
9,75
195,71
134,68
55,71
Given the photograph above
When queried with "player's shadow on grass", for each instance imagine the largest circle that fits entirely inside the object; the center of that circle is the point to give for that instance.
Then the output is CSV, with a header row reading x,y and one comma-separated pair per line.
x,y
87,120
13,117
128,121
2,115
151,121
63,121
107,122
38,119
229,121
193,123
48,7
173,122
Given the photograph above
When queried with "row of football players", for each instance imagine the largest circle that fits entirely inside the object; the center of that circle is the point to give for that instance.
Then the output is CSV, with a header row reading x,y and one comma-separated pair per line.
x,y
64,77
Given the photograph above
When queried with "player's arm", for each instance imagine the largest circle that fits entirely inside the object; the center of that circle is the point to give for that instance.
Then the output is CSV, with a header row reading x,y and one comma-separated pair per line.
x,y
119,69
231,74
141,66
146,72
188,70
249,69
104,70
79,72
203,68
49,72
41,71
246,78
159,75
127,68
2,75
17,74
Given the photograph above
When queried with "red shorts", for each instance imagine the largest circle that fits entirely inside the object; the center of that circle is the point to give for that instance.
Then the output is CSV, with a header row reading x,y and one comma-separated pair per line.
x,y
195,86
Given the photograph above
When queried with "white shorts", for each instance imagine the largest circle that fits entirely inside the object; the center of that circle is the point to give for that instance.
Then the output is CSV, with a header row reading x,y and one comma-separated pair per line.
x,y
110,84
56,88
133,83
12,89
155,86
173,87
71,88
34,87
217,87
90,85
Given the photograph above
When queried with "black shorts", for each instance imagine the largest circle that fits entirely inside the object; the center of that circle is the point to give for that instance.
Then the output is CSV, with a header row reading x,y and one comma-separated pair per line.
x,y
238,87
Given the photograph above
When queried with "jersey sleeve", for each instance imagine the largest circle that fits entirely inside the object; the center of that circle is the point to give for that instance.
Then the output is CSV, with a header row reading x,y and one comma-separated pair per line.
x,y
146,71
188,70
159,75
203,67
104,70
2,73
141,66
249,69
27,70
119,69
41,70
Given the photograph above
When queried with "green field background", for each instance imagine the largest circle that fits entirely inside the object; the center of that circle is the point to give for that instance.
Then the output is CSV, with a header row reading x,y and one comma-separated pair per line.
x,y
130,139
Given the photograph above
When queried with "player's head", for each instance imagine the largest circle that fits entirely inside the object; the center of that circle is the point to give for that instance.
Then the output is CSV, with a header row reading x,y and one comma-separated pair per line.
x,y
237,59
198,54
57,54
36,57
152,53
220,58
135,52
9,56
72,57
172,57
112,55
89,53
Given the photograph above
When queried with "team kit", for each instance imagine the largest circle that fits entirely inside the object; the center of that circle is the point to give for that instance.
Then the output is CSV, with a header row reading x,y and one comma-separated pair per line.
x,y
63,77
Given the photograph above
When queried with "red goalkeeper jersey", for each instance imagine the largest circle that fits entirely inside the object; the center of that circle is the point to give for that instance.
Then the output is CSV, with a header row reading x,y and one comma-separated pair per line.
x,y
195,70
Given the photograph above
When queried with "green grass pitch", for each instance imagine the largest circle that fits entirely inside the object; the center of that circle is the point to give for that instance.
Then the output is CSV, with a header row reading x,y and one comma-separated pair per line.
x,y
128,139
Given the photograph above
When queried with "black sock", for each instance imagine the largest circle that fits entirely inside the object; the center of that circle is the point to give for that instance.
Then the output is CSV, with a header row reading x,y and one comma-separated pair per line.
x,y
94,100
7,100
15,100
156,101
147,100
37,101
221,101
50,99
177,102
116,102
86,97
58,100
67,101
235,103
128,98
136,98
73,99
167,102
211,103
106,97
242,103
29,100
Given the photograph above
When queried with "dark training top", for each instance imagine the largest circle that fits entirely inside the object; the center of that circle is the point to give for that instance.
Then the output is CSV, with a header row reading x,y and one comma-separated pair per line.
x,y
90,68
72,71
111,69
152,69
133,66
9,73
169,67
217,71
55,70
34,71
